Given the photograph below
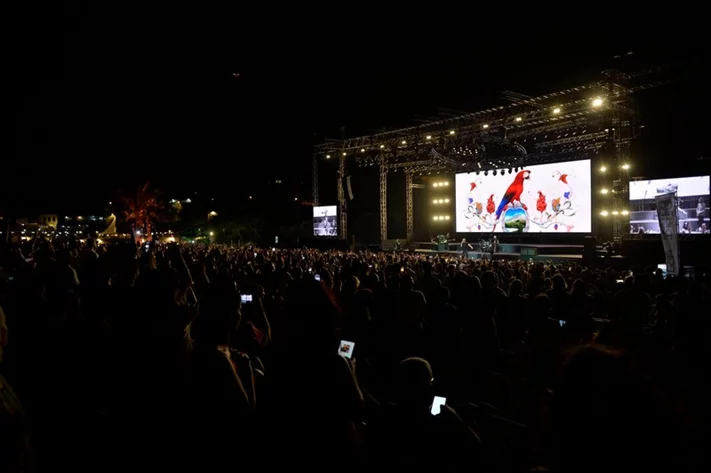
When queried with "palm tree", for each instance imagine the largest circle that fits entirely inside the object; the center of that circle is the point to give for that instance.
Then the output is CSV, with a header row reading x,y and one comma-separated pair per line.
x,y
141,209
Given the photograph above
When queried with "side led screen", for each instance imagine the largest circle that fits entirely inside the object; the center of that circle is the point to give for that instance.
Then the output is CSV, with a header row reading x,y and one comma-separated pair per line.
x,y
325,221
692,197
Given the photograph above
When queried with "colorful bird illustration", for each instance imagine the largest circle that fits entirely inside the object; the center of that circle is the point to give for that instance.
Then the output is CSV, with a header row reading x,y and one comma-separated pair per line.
x,y
555,204
472,186
564,179
490,205
541,203
513,193
479,208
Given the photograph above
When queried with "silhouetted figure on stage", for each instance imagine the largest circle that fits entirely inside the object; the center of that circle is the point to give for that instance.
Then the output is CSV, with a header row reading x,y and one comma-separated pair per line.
x,y
465,247
700,213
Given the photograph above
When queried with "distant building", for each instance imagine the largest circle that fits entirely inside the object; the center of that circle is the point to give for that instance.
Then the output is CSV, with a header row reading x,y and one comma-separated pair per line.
x,y
48,220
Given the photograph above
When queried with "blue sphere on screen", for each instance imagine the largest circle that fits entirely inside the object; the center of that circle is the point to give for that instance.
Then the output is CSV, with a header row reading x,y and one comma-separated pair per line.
x,y
515,220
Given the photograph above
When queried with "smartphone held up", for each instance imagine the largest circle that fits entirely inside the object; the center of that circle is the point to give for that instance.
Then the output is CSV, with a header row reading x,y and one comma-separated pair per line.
x,y
345,349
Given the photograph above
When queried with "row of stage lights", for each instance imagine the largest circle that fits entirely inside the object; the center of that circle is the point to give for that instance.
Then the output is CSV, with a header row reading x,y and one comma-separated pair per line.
x,y
614,213
595,103
438,201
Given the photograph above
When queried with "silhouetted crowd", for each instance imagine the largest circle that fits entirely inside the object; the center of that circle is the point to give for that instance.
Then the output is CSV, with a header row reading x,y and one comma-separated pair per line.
x,y
213,358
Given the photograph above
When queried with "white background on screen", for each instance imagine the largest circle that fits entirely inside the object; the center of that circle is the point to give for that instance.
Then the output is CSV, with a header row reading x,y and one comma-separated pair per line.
x,y
574,211
686,187
325,211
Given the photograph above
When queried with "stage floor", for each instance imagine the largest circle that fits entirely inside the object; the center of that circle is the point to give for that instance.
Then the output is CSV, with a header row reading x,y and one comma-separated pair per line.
x,y
505,255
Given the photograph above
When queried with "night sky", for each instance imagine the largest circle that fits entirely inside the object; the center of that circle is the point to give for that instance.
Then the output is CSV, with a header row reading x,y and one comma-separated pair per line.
x,y
104,101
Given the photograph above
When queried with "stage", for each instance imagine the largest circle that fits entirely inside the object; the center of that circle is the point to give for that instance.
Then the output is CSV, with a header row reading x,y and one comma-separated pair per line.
x,y
510,251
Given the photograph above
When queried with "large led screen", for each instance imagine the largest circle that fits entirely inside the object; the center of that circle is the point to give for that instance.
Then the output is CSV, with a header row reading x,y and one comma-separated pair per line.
x,y
693,201
545,198
325,221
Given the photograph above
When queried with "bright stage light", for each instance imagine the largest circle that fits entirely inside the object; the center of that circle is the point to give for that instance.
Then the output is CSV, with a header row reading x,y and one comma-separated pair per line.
x,y
556,111
518,119
382,146
328,156
344,153
362,150
604,213
615,212
625,166
428,137
625,212
404,142
603,168
604,191
451,132
597,102
485,126
554,198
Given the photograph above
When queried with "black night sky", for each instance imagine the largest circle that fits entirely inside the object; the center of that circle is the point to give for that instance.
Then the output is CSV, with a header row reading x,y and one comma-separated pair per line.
x,y
103,102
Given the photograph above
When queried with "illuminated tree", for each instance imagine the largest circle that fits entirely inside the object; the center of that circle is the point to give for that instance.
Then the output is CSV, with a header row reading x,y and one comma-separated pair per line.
x,y
141,210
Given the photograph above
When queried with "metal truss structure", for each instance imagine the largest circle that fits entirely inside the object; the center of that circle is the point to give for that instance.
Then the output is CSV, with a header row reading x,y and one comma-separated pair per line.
x,y
579,122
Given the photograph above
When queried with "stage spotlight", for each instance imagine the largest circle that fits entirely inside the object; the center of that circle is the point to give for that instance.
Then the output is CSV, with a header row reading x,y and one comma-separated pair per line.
x,y
344,153
362,150
604,213
615,212
604,191
625,212
451,132
625,167
382,146
518,119
485,126
603,168
556,111
597,102
404,142
428,137
328,156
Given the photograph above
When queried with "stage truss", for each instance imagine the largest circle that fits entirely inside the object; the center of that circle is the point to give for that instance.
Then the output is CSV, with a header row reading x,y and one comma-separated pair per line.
x,y
593,120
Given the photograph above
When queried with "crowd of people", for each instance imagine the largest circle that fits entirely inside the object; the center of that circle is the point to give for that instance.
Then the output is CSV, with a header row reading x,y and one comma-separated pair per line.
x,y
184,357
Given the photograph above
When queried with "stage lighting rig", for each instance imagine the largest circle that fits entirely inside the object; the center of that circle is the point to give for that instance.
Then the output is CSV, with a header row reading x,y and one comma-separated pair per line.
x,y
574,123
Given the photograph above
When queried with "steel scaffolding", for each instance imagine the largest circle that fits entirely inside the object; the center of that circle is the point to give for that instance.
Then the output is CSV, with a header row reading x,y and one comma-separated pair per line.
x,y
574,123
409,211
342,205
383,199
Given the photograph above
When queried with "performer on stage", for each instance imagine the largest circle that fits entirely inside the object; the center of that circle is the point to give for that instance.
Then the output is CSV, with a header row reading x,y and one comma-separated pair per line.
x,y
700,212
494,246
397,245
465,247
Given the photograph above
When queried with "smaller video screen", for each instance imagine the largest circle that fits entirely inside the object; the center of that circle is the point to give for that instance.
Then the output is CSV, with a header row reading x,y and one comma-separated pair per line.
x,y
692,194
325,221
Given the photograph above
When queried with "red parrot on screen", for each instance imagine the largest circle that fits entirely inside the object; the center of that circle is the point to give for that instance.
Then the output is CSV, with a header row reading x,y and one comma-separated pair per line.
x,y
513,193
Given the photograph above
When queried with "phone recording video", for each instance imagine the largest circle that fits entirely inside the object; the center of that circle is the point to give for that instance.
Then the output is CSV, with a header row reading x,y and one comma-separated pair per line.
x,y
345,349
245,298
437,404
